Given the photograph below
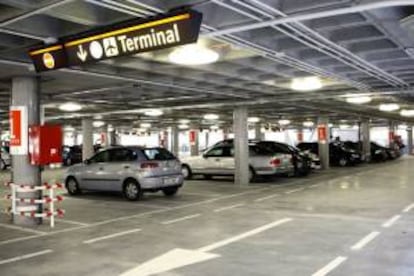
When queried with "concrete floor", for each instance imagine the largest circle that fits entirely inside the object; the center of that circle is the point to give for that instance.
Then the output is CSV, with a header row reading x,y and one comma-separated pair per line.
x,y
353,221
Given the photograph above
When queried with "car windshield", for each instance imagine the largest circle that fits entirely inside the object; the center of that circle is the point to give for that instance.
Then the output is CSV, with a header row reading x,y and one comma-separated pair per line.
x,y
158,154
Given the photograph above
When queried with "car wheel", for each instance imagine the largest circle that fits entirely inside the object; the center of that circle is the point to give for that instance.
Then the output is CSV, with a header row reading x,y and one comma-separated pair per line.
x,y
171,191
132,190
73,186
252,175
186,171
343,162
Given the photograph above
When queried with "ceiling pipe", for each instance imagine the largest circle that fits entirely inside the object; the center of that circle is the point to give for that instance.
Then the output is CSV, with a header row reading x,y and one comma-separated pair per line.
x,y
314,40
316,15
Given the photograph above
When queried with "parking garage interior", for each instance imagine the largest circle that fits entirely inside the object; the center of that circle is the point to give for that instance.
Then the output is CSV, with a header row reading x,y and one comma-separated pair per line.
x,y
206,137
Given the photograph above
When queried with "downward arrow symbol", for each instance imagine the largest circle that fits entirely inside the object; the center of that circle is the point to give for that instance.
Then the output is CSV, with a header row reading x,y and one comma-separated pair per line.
x,y
81,53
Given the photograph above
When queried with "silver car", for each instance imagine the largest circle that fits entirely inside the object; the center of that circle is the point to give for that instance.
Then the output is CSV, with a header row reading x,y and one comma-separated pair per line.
x,y
131,170
219,160
5,160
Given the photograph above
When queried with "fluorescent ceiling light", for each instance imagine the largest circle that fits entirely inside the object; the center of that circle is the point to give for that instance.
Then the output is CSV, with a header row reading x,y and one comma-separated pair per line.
x,y
389,107
69,128
306,84
70,107
214,127
344,126
407,113
330,125
253,119
356,127
211,116
359,99
145,125
403,127
98,123
284,122
308,124
153,112
193,54
184,121
183,126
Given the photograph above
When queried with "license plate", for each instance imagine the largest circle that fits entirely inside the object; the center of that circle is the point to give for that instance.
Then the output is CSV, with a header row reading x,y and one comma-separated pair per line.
x,y
169,181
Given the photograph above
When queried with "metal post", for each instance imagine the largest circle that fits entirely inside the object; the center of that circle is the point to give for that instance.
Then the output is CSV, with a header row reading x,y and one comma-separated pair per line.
x,y
410,140
323,130
241,148
87,143
52,207
366,140
25,92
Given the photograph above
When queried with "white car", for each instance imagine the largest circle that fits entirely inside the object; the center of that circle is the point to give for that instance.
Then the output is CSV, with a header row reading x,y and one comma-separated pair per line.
x,y
219,161
5,159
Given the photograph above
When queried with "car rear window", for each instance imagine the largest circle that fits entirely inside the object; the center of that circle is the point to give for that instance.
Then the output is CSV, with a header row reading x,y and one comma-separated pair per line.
x,y
158,154
256,150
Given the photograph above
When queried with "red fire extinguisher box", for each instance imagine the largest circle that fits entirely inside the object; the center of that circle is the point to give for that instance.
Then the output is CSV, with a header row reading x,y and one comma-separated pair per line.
x,y
45,144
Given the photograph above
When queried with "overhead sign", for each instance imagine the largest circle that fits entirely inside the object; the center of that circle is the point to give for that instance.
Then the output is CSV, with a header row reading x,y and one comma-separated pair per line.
x,y
126,38
18,130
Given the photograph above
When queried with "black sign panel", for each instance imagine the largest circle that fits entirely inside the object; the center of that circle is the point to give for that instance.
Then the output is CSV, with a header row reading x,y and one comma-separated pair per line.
x,y
127,38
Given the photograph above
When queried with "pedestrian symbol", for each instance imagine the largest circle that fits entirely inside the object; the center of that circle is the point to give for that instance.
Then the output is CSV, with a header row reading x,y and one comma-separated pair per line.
x,y
110,46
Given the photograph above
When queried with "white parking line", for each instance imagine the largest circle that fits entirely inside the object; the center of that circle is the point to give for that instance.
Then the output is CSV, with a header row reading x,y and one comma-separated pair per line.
x,y
294,191
111,236
228,207
23,229
180,219
364,241
27,256
266,197
391,221
408,208
331,266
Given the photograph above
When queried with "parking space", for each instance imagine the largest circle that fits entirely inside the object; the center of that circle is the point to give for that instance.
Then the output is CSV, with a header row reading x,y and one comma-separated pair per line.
x,y
293,226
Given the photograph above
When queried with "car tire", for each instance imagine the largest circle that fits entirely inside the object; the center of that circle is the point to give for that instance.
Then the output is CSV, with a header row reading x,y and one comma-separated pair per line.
x,y
72,186
343,162
132,191
170,191
186,171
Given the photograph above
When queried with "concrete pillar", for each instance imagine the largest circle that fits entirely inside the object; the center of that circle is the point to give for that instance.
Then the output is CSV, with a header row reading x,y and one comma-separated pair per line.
x,y
175,146
410,140
241,148
207,135
366,139
299,135
25,92
87,143
323,140
111,136
391,134
258,135
194,145
226,132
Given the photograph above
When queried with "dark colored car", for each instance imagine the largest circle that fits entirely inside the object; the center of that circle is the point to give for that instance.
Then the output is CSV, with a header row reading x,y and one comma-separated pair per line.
x,y
378,153
71,155
339,154
390,153
301,161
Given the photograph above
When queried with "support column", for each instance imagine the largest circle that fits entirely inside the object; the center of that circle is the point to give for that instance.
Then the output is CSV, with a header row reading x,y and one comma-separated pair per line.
x,y
391,135
299,135
366,139
25,92
194,142
174,140
410,140
258,135
207,133
241,147
87,143
111,136
323,141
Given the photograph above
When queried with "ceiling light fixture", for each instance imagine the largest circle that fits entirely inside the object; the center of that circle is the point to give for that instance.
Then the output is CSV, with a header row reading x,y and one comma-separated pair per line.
x,y
145,125
153,112
211,116
358,99
184,121
98,123
193,54
306,84
214,127
308,124
70,107
344,126
183,126
284,122
407,113
253,119
389,107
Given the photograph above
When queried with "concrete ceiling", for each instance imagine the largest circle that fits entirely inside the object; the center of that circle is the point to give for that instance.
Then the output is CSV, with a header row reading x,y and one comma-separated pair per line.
x,y
366,52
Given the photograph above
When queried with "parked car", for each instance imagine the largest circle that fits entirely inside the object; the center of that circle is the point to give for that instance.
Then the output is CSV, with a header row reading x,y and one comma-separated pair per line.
x,y
378,153
131,170
390,153
71,155
5,159
219,160
338,153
